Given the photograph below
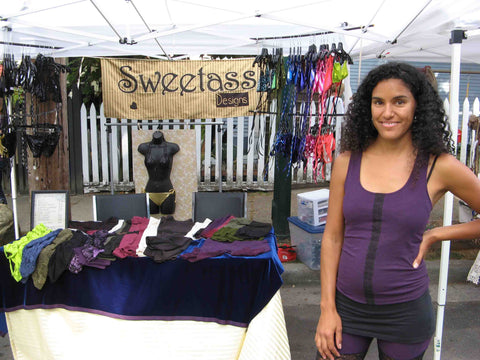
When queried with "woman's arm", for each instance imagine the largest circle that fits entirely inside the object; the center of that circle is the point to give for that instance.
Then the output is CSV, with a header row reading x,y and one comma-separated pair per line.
x,y
451,175
329,329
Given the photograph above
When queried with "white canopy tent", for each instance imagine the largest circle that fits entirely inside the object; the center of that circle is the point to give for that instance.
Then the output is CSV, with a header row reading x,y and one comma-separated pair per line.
x,y
410,30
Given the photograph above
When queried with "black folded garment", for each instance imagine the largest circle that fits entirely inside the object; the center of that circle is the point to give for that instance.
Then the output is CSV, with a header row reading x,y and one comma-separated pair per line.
x,y
254,230
170,240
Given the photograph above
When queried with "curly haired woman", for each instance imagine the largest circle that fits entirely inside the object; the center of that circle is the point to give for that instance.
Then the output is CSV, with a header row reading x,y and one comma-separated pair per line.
x,y
394,166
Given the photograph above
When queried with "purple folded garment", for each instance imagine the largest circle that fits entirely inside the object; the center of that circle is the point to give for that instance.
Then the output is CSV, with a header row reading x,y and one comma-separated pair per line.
x,y
214,226
87,256
212,248
250,248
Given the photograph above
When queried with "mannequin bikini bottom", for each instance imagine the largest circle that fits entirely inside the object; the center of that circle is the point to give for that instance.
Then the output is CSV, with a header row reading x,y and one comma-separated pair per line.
x,y
159,198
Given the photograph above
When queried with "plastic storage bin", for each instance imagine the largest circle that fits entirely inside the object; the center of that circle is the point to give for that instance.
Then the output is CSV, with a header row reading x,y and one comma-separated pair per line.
x,y
313,206
307,240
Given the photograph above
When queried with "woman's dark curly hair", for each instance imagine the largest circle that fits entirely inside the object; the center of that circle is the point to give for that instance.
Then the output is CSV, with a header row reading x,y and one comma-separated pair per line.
x,y
430,133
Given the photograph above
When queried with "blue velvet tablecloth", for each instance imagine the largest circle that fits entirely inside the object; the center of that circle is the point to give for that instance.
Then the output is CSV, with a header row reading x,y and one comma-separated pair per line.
x,y
225,289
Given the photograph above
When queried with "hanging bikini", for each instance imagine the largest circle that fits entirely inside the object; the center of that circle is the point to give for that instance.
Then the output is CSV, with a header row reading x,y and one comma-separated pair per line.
x,y
299,130
340,72
45,137
282,144
322,84
326,144
44,141
321,142
310,131
46,85
315,73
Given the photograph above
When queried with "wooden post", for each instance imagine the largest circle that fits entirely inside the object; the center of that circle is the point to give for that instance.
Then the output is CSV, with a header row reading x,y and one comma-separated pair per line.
x,y
51,173
75,142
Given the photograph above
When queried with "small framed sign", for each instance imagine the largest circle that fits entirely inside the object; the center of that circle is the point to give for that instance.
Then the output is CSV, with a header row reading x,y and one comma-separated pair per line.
x,y
51,208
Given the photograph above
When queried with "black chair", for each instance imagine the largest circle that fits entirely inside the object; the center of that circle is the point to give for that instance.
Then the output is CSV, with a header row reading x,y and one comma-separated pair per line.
x,y
121,206
214,205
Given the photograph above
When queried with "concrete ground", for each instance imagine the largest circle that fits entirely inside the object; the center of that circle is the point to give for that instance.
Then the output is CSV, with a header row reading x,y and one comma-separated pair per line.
x,y
301,289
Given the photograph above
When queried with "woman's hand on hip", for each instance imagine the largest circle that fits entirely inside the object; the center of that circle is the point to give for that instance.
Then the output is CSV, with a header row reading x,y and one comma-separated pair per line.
x,y
427,241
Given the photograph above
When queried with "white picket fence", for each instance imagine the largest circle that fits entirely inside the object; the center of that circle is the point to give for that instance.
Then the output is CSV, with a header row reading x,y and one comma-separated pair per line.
x,y
467,136
244,158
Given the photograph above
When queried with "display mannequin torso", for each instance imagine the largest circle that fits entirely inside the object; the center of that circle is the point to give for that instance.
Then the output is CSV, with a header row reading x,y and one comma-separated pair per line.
x,y
158,162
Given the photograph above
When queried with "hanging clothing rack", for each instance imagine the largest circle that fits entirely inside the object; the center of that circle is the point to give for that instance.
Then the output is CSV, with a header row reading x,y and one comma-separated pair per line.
x,y
292,114
158,123
36,126
33,115
317,71
284,37
30,45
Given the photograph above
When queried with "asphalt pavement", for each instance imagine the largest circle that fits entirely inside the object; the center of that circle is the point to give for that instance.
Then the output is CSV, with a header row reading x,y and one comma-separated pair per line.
x,y
461,326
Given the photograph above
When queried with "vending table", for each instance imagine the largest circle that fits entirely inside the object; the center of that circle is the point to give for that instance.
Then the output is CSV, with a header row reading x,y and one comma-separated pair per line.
x,y
217,308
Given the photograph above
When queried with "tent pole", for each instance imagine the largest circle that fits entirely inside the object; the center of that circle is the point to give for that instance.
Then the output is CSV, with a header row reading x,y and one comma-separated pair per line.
x,y
13,181
149,29
219,156
110,158
107,21
365,28
456,41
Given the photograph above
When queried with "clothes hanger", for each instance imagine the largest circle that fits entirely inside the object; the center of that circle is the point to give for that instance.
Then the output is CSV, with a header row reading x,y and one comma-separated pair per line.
x,y
333,50
344,55
262,57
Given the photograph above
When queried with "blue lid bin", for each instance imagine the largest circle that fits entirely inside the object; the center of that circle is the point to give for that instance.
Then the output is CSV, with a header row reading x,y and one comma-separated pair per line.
x,y
307,240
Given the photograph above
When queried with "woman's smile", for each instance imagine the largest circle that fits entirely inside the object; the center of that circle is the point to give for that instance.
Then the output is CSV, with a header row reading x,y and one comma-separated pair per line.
x,y
388,124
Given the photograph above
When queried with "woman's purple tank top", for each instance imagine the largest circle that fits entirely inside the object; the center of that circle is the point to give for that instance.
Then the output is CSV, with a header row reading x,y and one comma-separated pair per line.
x,y
382,237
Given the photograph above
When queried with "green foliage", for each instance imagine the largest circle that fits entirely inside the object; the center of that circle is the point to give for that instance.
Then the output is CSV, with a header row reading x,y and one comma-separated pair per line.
x,y
18,97
90,74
